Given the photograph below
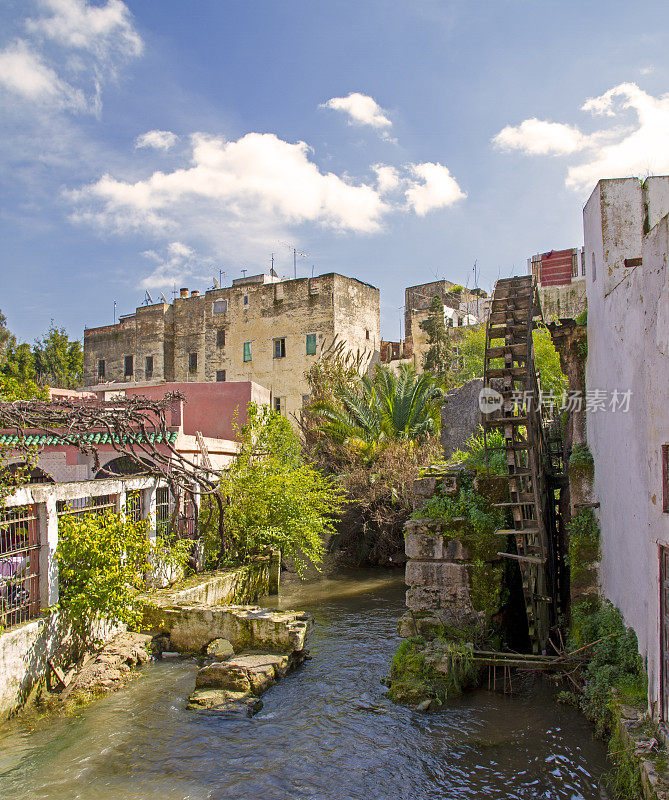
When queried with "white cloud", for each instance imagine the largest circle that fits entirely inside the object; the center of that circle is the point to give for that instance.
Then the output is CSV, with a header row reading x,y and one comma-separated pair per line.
x,y
259,176
97,29
387,178
618,151
539,137
91,41
158,140
24,73
361,110
179,263
436,188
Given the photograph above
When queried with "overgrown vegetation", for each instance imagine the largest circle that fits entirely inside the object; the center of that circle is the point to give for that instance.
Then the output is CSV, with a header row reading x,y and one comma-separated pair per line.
x,y
275,500
437,359
583,544
581,460
614,671
414,676
471,518
473,454
102,563
372,435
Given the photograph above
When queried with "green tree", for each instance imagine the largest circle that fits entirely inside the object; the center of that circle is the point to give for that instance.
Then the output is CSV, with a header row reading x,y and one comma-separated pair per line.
x,y
274,499
17,368
375,410
59,361
471,360
437,358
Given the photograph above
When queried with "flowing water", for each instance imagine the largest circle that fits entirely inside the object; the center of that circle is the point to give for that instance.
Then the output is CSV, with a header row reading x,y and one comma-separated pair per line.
x,y
326,732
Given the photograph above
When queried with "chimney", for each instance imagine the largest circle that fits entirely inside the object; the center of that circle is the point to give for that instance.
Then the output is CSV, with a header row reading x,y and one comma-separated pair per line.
x,y
183,293
195,293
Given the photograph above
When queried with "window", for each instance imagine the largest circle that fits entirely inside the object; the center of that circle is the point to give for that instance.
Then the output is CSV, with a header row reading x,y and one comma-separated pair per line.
x,y
311,344
582,262
220,337
665,478
101,369
279,348
246,299
128,366
574,264
367,334
280,405
220,375
148,368
247,351
192,362
594,269
220,306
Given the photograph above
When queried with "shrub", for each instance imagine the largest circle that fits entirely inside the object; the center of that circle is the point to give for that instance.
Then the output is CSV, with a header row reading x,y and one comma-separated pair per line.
x,y
581,460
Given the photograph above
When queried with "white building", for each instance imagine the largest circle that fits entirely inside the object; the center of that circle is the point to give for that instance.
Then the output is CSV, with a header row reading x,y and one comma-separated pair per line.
x,y
626,231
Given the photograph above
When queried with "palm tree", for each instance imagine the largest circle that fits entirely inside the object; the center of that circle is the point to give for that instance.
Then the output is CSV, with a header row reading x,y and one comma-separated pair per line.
x,y
373,411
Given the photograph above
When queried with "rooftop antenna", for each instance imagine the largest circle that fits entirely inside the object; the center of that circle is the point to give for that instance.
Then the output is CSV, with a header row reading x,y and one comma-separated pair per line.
x,y
244,271
221,275
114,312
163,298
296,253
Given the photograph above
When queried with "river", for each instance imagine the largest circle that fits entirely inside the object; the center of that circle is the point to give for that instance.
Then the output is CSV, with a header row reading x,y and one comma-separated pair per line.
x,y
326,732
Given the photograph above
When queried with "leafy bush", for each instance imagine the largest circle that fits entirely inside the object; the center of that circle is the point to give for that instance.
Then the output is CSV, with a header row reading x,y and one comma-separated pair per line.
x,y
581,460
583,543
274,499
614,667
101,560
473,454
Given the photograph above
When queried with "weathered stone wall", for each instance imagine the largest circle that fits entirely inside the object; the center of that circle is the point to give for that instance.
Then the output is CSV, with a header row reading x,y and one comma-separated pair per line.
x,y
460,416
257,312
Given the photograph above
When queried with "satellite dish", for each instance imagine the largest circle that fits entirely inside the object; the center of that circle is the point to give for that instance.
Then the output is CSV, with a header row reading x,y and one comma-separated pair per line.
x,y
148,296
217,285
163,297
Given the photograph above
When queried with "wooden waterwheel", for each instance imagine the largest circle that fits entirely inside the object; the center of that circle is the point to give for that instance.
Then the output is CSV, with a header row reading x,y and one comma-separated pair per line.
x,y
510,371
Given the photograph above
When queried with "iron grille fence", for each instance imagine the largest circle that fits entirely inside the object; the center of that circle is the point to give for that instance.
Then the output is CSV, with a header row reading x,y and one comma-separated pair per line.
x,y
19,565
86,505
164,510
134,506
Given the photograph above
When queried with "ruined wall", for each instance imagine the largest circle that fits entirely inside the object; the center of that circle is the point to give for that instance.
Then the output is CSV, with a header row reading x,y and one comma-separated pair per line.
x,y
460,416
628,348
563,301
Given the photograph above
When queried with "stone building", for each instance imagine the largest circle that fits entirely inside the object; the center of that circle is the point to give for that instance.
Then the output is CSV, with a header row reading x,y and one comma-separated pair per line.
x,y
260,329
626,231
560,276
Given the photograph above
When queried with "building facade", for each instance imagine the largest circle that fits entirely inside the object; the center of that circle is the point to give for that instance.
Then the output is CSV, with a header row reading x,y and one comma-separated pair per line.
x,y
260,329
626,252
560,276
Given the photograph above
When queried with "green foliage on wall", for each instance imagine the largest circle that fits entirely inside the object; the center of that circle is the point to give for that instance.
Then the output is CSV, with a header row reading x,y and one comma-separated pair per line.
x,y
470,518
583,544
414,678
581,461
614,668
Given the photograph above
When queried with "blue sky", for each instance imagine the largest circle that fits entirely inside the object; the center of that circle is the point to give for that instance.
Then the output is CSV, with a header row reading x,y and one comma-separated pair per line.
x,y
152,144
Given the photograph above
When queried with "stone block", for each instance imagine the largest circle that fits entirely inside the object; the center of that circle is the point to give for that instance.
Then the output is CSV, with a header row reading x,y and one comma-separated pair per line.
x,y
434,547
440,574
220,649
223,676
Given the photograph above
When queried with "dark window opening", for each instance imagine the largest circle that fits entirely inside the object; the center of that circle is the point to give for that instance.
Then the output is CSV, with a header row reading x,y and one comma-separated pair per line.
x,y
128,366
279,348
247,351
311,344
367,334
220,337
246,299
101,369
149,367
192,362
220,375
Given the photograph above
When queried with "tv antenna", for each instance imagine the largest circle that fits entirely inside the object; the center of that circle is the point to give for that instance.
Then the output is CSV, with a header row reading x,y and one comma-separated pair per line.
x,y
244,271
221,276
296,253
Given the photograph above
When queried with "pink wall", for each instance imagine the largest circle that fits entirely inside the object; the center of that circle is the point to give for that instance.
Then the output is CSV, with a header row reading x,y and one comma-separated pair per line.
x,y
210,407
